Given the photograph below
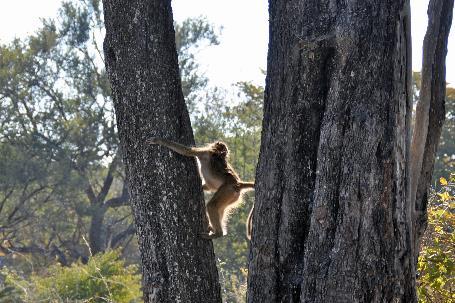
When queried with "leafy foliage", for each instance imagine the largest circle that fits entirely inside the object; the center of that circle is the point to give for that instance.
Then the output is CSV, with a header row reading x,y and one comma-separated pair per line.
x,y
59,147
58,139
57,126
436,266
190,36
105,278
234,284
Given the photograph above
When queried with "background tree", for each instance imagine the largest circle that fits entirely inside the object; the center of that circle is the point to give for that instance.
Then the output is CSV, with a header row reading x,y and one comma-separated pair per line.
x,y
189,37
37,186
57,191
57,112
59,141
166,193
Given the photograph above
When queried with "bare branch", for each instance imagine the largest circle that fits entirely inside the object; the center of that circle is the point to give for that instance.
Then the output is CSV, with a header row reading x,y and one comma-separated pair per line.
x,y
122,236
119,201
430,112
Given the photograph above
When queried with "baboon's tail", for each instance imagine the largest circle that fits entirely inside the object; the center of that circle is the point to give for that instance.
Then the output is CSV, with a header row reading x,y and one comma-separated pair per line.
x,y
249,224
246,186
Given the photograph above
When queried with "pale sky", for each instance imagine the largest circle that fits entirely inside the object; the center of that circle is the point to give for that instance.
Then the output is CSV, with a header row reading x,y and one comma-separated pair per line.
x,y
242,52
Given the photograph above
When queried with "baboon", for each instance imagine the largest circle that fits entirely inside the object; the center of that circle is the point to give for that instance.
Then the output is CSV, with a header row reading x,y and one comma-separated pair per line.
x,y
219,177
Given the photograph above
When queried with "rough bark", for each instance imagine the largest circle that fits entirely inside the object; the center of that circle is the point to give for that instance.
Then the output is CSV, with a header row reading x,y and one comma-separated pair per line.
x,y
430,111
332,222
165,190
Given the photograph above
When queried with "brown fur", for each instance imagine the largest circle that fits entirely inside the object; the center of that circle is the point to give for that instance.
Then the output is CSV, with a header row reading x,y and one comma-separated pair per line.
x,y
219,177
249,224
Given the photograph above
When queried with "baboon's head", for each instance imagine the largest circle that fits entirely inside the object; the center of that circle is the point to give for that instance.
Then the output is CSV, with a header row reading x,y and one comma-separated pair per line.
x,y
221,149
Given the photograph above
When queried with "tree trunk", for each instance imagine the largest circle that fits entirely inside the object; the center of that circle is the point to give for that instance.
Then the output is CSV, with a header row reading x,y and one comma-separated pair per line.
x,y
430,111
166,195
332,218
96,235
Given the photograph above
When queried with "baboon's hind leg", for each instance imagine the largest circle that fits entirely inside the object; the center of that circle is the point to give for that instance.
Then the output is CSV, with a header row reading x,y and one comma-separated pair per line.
x,y
226,195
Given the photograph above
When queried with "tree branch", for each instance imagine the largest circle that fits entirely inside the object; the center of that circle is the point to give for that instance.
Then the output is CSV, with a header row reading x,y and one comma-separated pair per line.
x,y
119,201
108,180
121,236
430,112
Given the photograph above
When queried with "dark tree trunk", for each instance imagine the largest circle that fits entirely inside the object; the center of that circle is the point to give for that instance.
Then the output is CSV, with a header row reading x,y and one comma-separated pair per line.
x,y
96,235
332,218
430,111
165,190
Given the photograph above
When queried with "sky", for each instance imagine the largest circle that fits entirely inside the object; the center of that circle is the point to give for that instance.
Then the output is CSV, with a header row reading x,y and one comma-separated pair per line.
x,y
242,53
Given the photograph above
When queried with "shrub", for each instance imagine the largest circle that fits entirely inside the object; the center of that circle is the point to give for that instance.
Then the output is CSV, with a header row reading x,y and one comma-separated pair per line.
x,y
436,266
105,278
